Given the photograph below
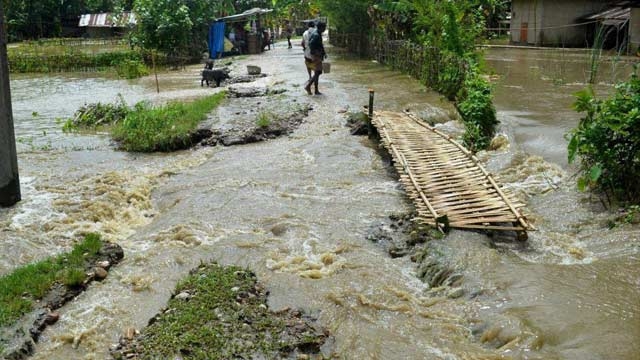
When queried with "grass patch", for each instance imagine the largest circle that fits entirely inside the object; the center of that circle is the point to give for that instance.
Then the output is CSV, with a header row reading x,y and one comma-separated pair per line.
x,y
21,288
220,313
264,119
165,128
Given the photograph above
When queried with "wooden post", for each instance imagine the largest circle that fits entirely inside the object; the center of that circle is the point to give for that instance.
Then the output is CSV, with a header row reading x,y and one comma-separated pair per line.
x,y
370,124
155,71
9,180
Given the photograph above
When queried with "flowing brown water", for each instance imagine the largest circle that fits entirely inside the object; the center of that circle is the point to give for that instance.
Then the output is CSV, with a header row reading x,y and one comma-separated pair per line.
x,y
296,209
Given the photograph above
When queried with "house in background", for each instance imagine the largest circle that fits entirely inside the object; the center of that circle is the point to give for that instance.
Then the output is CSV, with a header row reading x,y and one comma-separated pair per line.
x,y
552,22
576,23
107,25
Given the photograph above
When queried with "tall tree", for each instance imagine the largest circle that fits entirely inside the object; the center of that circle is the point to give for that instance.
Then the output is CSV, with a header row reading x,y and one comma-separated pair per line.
x,y
177,27
164,25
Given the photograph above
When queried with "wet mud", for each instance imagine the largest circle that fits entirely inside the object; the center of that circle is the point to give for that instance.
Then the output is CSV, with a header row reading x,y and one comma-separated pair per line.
x,y
252,114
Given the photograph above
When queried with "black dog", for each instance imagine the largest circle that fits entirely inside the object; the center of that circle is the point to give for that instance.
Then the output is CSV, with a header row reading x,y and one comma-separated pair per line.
x,y
216,75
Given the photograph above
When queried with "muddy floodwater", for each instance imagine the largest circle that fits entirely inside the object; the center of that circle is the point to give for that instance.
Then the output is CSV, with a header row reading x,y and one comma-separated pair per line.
x,y
296,210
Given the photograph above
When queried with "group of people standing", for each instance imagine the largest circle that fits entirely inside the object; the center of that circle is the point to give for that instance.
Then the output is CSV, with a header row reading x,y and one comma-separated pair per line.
x,y
314,54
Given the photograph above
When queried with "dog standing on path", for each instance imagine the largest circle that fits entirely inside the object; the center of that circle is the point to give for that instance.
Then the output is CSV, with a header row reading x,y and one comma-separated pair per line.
x,y
211,74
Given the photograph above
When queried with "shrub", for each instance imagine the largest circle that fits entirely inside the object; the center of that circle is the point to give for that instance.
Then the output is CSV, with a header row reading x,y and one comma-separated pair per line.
x,y
477,111
607,141
451,76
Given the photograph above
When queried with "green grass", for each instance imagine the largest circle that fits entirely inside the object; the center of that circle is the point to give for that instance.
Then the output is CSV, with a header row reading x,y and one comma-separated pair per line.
x,y
224,318
165,128
21,288
264,119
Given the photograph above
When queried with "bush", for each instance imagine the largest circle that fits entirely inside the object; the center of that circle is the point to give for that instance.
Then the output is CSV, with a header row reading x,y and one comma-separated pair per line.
x,y
451,76
477,111
607,141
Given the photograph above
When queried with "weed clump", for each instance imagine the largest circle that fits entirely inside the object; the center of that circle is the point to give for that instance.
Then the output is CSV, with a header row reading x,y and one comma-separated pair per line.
x,y
97,115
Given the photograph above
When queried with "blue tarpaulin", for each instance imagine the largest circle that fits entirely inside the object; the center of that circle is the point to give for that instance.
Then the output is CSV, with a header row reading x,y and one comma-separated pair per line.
x,y
216,39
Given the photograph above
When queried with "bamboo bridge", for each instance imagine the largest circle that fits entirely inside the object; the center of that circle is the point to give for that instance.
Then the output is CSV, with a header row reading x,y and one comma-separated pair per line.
x,y
446,182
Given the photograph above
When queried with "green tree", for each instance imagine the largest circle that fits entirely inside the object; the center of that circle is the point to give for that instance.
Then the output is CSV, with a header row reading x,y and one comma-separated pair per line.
x,y
350,17
163,25
179,27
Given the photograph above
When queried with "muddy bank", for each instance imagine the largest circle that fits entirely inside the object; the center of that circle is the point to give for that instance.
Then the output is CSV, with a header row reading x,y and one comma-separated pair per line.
x,y
18,341
221,313
252,114
402,235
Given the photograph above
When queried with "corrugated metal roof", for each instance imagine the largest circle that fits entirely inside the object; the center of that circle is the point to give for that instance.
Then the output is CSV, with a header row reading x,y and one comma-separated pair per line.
x,y
124,19
245,15
615,13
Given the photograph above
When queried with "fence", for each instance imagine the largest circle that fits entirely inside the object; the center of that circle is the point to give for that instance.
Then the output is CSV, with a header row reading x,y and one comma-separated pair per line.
x,y
76,42
442,72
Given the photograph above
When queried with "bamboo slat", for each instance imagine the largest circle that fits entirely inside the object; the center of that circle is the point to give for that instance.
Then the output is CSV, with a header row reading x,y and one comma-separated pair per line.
x,y
444,178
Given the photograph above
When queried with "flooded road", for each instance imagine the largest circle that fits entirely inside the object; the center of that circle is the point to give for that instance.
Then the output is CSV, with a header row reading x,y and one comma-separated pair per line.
x,y
296,211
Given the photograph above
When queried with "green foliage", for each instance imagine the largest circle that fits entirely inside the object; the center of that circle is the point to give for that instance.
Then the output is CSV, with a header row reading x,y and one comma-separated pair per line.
x,y
131,69
451,76
607,141
478,113
178,28
451,26
348,16
164,25
21,288
165,128
95,115
631,214
70,60
264,119
441,35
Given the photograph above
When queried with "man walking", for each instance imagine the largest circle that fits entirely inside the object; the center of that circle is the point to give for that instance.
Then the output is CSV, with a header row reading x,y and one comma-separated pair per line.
x,y
288,32
305,44
317,55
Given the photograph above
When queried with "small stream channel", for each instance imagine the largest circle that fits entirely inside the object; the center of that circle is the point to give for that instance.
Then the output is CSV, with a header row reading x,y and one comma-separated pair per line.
x,y
296,210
